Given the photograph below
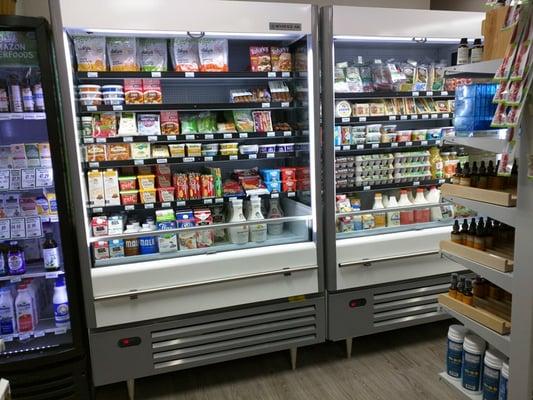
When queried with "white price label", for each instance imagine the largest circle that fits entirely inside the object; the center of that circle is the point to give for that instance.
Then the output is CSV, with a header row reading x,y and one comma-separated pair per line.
x,y
209,136
444,93
165,204
274,195
408,144
138,162
271,155
24,336
425,116
228,136
424,142
5,229
285,74
337,148
416,94
441,181
219,200
51,275
118,107
416,183
208,158
445,115
233,157
346,147
271,134
291,194
285,104
265,105
434,116
394,144
252,156
414,116
375,145
189,74
33,227
15,279
4,179
188,159
91,108
88,140
148,206
171,137
271,74
365,188
287,133
208,201
163,160
98,210
180,203
430,93
360,146
152,138
94,164
38,334
403,117
189,137
101,140
362,119
128,139
345,119
392,117
156,74
92,74
243,135
129,207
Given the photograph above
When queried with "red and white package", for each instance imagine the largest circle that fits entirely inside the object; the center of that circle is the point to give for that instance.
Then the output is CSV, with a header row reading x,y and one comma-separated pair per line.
x,y
133,91
288,174
205,237
193,179
260,59
152,91
170,123
262,121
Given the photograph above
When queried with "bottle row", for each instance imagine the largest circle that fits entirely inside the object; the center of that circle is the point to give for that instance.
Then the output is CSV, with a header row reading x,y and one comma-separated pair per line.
x,y
481,235
235,211
485,177
18,96
23,305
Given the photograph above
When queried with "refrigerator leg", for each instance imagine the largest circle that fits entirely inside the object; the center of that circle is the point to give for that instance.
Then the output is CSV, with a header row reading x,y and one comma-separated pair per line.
x,y
349,342
131,388
294,355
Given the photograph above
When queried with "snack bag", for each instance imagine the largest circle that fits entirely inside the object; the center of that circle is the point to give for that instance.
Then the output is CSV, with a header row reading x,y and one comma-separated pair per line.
x,y
127,125
189,124
213,55
105,125
152,54
260,59
90,53
185,55
207,122
170,124
243,121
148,124
122,54
281,59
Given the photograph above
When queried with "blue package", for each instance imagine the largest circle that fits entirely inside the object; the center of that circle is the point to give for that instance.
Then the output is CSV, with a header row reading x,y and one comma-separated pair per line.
x,y
270,174
273,186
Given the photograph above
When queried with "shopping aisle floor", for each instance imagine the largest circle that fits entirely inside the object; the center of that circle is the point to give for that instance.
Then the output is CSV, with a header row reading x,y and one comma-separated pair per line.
x,y
400,365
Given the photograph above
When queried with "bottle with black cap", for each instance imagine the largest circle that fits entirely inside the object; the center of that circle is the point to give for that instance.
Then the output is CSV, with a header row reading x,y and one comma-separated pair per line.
x,y
476,53
463,52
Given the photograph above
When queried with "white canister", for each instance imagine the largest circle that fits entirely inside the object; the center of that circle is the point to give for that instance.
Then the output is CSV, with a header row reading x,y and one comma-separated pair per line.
x,y
492,367
473,349
454,353
504,379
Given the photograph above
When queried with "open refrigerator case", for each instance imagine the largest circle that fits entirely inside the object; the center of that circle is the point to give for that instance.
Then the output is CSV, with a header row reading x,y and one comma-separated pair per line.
x,y
387,110
193,145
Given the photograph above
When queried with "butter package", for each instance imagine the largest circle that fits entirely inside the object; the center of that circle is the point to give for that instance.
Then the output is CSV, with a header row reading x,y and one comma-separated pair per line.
x,y
95,180
165,221
187,240
111,188
99,225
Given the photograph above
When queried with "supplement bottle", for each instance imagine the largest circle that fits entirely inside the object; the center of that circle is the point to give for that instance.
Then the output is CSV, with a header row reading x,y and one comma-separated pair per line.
x,y
454,353
483,179
472,231
479,240
468,298
456,178
456,236
474,175
476,53
464,233
492,367
463,52
61,308
460,288
16,262
473,349
50,253
465,176
489,234
452,291
504,379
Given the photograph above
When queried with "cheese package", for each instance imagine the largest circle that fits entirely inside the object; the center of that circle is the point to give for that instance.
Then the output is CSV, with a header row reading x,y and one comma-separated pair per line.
x,y
111,188
95,180
118,151
140,151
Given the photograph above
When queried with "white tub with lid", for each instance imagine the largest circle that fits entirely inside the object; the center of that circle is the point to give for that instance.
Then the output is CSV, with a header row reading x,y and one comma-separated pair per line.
x,y
504,379
492,367
473,349
454,353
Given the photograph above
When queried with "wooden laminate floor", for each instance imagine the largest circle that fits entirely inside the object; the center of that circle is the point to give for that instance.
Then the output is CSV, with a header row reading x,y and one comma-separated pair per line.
x,y
399,365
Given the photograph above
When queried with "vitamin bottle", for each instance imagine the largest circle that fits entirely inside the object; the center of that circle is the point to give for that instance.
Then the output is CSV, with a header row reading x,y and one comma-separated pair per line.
x,y
465,176
456,233
456,178
452,291
489,234
16,262
50,253
479,240
483,179
380,219
472,231
463,52
490,175
460,288
464,232
468,298
474,175
476,53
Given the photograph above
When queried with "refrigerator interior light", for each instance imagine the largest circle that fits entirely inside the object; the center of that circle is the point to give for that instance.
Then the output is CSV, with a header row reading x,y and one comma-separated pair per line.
x,y
402,39
312,160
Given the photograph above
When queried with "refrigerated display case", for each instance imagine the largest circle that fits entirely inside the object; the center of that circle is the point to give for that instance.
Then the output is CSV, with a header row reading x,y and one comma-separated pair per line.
x,y
387,107
192,136
42,339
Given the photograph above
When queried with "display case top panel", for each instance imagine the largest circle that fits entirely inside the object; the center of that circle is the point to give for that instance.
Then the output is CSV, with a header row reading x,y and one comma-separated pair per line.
x,y
398,24
164,16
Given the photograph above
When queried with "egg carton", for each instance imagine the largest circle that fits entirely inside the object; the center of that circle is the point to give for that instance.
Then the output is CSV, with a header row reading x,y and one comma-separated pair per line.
x,y
374,180
409,177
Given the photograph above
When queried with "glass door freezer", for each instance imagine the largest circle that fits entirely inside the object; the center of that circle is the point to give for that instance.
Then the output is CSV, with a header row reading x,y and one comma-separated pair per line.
x,y
387,109
192,136
42,341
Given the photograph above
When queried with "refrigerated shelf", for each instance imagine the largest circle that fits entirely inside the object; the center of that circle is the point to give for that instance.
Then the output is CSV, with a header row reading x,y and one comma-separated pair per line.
x,y
44,327
399,118
503,214
33,270
458,387
395,185
25,116
388,95
395,229
109,75
355,149
189,107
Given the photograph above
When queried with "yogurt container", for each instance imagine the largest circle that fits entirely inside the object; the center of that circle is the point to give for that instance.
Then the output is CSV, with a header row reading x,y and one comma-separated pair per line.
x,y
209,149
113,95
112,88
91,102
248,148
114,101
89,95
88,88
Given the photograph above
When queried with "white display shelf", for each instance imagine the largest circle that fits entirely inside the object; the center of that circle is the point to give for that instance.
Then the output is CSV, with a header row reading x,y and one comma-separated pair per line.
x,y
493,143
507,215
33,270
501,279
23,116
483,68
458,387
501,342
44,327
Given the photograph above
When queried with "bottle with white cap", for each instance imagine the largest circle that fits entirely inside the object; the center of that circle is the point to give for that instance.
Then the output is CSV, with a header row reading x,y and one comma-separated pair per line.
x,y
454,353
473,349
492,367
504,379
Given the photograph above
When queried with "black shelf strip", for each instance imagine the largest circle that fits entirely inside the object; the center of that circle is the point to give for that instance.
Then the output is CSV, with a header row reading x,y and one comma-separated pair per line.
x,y
189,107
395,118
83,76
353,189
181,203
184,160
186,138
390,95
370,147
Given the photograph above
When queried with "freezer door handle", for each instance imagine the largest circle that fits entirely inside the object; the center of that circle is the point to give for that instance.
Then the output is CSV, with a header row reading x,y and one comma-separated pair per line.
x,y
367,262
133,294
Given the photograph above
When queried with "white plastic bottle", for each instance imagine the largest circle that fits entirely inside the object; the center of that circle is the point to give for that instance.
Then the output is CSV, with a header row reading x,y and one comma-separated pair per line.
x,y
7,313
407,216
258,233
238,234
275,211
24,310
380,219
433,196
393,217
421,214
60,300
33,288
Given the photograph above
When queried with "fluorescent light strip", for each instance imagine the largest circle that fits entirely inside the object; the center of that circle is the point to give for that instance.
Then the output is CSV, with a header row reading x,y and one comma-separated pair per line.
x,y
357,38
238,35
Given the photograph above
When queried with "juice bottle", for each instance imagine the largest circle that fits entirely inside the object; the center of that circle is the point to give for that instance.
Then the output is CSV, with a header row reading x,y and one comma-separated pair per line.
x,y
393,217
407,216
258,233
238,234
422,214
380,219
24,310
7,312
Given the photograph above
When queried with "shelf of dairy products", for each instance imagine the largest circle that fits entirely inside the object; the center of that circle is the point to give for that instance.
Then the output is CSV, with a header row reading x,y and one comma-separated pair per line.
x,y
35,269
458,387
391,94
395,117
22,116
187,76
355,149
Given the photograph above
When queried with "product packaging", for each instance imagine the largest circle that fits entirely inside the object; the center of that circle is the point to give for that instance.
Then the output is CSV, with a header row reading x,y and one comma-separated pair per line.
x,y
122,54
90,53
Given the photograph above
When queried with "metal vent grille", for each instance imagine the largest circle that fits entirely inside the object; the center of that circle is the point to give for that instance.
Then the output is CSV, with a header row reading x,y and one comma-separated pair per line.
x,y
52,388
398,307
233,338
